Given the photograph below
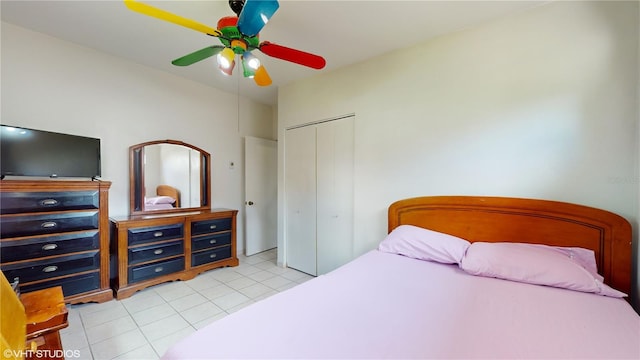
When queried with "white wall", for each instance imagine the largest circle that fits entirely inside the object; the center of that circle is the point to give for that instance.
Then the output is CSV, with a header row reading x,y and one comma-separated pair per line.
x,y
54,85
542,104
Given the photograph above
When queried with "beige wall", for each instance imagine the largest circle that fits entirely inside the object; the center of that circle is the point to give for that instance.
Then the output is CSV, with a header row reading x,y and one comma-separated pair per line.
x,y
54,85
542,104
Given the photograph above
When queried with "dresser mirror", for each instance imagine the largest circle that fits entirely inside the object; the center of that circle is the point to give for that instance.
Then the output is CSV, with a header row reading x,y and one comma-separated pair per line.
x,y
168,176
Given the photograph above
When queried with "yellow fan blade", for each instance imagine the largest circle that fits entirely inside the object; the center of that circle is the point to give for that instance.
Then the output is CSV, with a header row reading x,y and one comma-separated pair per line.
x,y
261,77
172,18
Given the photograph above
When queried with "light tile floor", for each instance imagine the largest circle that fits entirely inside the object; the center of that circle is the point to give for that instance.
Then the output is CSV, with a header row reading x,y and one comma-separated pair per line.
x,y
144,325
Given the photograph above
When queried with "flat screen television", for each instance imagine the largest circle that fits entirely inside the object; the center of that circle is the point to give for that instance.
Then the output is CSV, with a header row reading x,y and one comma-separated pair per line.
x,y
30,152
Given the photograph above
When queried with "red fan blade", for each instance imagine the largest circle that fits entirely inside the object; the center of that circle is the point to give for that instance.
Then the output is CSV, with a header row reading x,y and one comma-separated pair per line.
x,y
293,55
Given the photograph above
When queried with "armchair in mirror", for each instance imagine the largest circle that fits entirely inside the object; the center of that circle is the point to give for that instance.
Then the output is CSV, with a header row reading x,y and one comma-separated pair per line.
x,y
168,176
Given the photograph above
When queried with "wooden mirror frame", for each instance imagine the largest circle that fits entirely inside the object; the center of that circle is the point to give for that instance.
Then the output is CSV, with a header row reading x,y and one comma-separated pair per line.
x,y
136,179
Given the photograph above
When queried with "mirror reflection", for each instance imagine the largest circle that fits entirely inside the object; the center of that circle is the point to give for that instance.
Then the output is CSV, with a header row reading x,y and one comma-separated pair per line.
x,y
171,177
168,176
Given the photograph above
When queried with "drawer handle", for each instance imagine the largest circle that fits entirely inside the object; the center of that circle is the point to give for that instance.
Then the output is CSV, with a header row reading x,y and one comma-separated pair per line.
x,y
213,227
212,241
49,225
49,202
213,256
50,247
158,269
50,269
158,251
157,234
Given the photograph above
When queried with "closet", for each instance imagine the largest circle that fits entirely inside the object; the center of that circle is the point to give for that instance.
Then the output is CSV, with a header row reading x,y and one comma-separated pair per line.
x,y
319,195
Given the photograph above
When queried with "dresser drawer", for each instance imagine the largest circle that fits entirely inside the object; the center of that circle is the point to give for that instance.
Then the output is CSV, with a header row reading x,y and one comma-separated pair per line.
x,y
44,269
25,225
209,241
209,256
209,226
155,252
48,246
150,271
148,234
70,285
22,202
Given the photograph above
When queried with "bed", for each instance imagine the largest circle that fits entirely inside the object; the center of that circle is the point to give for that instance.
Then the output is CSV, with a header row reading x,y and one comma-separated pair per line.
x,y
167,197
394,305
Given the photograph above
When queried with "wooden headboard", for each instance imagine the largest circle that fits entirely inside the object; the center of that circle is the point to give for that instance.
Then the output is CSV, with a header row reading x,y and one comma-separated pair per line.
x,y
500,219
166,190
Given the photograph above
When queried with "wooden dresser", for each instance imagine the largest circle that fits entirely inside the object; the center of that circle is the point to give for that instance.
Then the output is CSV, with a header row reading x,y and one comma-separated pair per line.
x,y
56,233
152,249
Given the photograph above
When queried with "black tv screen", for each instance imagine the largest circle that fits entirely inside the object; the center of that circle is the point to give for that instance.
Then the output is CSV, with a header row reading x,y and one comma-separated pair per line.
x,y
29,152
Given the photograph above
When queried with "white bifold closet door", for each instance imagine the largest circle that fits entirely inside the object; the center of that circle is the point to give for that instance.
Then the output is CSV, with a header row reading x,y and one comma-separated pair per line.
x,y
300,198
319,195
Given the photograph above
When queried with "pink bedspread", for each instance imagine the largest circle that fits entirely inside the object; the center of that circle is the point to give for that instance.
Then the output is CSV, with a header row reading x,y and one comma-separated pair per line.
x,y
389,306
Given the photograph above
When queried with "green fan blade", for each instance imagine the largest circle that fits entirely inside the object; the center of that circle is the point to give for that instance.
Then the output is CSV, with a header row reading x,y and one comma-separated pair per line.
x,y
194,57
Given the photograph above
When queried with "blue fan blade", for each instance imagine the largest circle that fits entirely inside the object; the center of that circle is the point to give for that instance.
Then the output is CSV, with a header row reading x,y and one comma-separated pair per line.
x,y
255,14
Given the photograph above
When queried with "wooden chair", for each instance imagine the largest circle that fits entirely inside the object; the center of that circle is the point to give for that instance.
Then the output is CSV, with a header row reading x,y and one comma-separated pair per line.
x,y
31,324
13,322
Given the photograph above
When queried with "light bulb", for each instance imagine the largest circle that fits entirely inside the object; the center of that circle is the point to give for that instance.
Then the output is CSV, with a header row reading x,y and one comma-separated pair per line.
x,y
225,58
227,70
252,61
247,71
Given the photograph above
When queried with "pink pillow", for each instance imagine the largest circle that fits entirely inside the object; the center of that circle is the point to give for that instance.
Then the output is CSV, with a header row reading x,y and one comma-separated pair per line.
x,y
569,268
424,244
159,200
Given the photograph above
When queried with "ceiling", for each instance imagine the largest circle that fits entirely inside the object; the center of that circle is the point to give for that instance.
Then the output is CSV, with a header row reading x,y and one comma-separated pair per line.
x,y
343,32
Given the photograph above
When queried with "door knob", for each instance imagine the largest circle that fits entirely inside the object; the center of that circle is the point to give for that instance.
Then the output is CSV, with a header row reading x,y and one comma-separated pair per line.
x,y
250,203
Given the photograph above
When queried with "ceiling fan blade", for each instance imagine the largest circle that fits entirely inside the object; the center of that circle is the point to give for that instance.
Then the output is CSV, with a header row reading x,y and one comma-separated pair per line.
x,y
261,77
293,55
196,56
255,15
172,18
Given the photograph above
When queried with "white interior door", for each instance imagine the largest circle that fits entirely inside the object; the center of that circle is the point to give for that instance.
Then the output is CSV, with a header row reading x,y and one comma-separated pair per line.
x,y
261,189
300,198
334,193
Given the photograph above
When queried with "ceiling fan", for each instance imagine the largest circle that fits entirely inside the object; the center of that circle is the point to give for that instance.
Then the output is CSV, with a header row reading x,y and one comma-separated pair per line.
x,y
239,36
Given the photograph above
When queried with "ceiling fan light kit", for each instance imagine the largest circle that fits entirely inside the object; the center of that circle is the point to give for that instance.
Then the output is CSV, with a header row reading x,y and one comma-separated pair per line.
x,y
252,61
247,71
226,58
239,35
